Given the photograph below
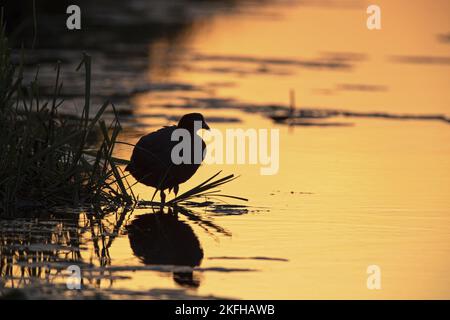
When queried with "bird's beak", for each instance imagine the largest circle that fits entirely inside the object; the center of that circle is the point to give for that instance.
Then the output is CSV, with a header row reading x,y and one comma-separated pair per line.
x,y
205,126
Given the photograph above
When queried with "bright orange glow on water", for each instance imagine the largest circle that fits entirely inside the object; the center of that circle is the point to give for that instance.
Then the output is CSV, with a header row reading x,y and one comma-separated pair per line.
x,y
345,197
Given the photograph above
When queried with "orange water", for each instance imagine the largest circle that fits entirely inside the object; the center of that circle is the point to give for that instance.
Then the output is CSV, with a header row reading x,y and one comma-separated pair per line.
x,y
345,197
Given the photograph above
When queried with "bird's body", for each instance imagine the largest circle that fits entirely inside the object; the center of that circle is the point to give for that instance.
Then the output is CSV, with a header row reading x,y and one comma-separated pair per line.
x,y
151,162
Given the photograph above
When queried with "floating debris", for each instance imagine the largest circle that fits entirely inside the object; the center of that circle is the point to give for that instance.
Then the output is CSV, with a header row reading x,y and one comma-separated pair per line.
x,y
248,258
422,59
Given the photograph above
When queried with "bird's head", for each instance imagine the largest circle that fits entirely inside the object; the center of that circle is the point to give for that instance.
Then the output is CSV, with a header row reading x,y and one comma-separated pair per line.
x,y
188,120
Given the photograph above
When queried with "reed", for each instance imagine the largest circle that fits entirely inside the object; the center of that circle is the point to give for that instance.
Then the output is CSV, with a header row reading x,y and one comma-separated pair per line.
x,y
206,189
47,159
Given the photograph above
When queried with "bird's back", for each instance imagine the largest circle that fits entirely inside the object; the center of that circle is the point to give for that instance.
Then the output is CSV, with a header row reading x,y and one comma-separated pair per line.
x,y
151,162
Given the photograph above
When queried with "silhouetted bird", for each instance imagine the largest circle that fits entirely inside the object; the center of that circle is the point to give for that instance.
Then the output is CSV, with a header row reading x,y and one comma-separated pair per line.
x,y
151,162
162,239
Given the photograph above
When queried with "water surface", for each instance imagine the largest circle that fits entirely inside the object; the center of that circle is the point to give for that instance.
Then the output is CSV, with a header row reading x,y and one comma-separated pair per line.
x,y
345,197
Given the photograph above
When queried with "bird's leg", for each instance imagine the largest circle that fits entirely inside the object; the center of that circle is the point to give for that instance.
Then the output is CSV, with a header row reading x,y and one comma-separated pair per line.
x,y
175,190
163,198
154,194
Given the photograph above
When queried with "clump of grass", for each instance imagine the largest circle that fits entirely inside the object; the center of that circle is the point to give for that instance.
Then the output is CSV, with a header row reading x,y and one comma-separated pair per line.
x,y
47,159
206,189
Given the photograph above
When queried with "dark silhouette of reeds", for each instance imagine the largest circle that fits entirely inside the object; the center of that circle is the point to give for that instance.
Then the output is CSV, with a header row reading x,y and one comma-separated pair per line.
x,y
47,159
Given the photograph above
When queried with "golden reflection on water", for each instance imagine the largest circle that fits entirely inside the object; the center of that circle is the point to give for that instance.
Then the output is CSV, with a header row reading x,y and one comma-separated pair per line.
x,y
345,197
310,32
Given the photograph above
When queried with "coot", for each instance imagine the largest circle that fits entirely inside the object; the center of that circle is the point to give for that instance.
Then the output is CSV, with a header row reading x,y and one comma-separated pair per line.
x,y
151,162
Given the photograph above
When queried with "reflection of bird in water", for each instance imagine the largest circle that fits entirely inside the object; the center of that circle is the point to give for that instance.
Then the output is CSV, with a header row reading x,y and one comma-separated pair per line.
x,y
151,162
162,239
